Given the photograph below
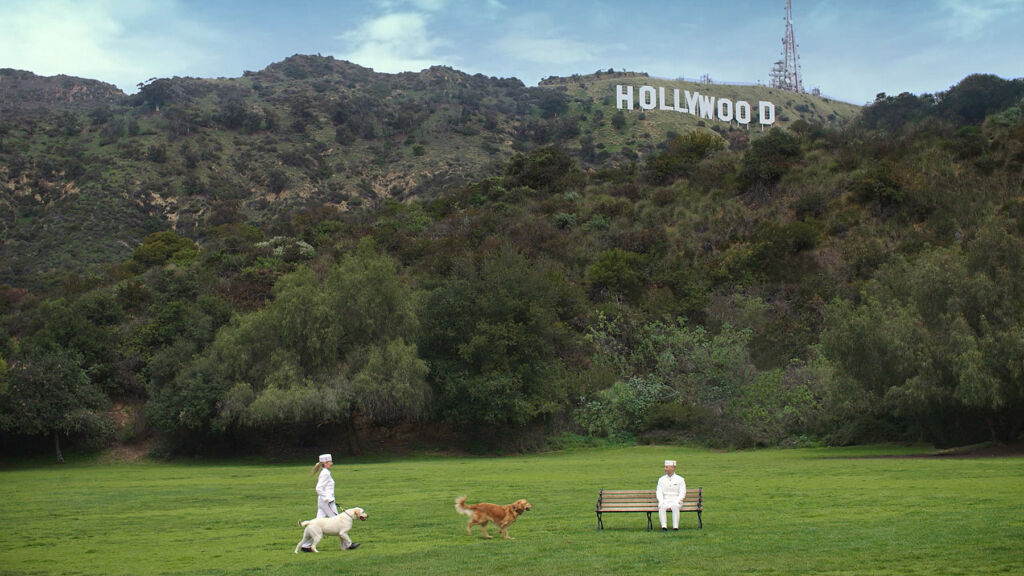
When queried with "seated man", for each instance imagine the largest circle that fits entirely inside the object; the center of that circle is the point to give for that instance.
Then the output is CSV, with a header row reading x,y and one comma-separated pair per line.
x,y
671,492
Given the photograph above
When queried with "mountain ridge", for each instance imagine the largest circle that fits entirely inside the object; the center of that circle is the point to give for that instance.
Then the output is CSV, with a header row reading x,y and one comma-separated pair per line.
x,y
190,153
27,92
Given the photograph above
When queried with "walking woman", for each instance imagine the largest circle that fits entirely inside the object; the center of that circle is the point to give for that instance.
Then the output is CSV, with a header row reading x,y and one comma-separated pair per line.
x,y
326,507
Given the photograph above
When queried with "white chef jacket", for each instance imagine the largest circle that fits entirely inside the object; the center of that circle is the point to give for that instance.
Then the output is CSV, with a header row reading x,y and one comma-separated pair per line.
x,y
671,489
325,486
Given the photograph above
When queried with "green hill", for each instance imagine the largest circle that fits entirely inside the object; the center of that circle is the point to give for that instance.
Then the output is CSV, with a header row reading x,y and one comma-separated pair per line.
x,y
598,92
87,172
319,251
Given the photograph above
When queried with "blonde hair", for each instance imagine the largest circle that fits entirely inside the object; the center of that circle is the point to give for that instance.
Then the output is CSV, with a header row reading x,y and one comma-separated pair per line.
x,y
316,469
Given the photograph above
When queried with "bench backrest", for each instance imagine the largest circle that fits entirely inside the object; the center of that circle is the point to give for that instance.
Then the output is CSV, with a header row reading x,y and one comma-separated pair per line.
x,y
631,499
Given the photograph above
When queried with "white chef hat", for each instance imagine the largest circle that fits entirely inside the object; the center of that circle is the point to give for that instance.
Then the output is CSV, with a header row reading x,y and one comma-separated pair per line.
x,y
670,462
325,457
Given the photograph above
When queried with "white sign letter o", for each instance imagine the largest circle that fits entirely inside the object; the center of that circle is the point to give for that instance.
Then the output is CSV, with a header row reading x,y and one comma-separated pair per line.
x,y
648,97
743,112
725,110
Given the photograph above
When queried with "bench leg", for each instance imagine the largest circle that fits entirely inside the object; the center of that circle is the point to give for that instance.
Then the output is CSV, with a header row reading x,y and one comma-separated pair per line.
x,y
600,524
650,526
700,524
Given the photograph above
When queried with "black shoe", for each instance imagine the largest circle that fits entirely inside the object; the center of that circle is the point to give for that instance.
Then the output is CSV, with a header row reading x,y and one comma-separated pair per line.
x,y
675,529
354,546
305,549
663,529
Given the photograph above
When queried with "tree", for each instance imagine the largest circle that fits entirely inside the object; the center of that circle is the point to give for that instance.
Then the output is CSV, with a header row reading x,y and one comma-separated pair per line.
x,y
323,350
495,336
277,180
938,340
391,383
86,327
682,154
675,374
770,157
49,394
161,247
619,120
546,169
4,378
892,113
551,103
156,92
977,96
618,273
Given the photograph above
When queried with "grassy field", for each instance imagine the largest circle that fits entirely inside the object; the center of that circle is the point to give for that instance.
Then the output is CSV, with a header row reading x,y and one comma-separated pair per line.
x,y
874,510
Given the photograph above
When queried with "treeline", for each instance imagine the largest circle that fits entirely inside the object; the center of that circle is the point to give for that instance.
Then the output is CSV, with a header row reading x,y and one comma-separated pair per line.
x,y
816,285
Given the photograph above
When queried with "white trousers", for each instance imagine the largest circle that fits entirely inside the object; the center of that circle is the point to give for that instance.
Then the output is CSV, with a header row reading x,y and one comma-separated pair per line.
x,y
663,508
326,509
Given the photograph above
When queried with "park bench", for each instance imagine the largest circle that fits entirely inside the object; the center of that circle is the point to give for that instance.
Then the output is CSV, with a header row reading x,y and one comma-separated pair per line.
x,y
611,501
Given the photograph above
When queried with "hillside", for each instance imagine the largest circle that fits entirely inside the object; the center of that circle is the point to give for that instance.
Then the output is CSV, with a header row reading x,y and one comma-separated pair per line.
x,y
23,94
80,161
598,92
318,253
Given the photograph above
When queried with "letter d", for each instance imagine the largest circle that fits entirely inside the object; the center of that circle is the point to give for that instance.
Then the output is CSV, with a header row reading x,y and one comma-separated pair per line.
x,y
766,110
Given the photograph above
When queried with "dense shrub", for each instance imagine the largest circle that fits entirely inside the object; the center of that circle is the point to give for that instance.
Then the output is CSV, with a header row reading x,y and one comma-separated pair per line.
x,y
681,155
770,157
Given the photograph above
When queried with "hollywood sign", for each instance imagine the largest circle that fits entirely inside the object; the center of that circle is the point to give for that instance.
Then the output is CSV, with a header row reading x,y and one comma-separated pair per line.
x,y
695,103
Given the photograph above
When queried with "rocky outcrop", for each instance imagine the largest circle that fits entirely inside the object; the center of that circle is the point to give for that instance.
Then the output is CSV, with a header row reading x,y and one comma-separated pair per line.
x,y
25,93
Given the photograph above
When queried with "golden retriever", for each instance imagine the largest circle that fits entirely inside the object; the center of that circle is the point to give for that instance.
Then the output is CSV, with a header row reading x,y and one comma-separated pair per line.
x,y
482,513
339,526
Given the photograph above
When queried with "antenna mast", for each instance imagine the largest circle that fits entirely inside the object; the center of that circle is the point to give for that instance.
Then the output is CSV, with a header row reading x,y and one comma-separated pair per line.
x,y
785,73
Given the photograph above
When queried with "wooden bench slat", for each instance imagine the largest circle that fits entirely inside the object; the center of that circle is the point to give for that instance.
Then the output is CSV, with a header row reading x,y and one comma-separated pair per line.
x,y
639,491
649,491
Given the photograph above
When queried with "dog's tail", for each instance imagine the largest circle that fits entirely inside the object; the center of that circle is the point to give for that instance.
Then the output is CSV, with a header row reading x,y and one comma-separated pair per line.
x,y
304,523
461,508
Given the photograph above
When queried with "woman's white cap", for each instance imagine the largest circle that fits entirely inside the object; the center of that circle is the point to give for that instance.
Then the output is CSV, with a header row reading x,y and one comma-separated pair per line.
x,y
667,462
325,457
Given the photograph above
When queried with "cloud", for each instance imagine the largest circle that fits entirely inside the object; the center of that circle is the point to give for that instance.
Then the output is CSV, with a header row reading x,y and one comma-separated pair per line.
x,y
397,42
118,41
430,5
533,38
969,17
495,5
424,5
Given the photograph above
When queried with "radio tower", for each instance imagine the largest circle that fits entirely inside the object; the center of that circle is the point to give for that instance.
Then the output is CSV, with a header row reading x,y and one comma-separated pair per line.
x,y
786,72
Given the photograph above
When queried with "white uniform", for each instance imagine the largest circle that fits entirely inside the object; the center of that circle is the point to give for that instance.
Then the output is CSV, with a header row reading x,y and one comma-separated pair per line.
x,y
671,492
325,505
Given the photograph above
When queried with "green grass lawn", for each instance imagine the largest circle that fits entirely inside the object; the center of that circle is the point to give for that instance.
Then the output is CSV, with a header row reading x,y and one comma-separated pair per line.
x,y
801,511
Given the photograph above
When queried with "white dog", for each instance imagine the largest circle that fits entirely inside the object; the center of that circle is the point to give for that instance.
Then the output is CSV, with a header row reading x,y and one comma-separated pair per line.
x,y
338,526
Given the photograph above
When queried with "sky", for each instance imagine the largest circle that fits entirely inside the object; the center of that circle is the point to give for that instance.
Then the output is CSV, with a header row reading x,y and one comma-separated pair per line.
x,y
849,50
